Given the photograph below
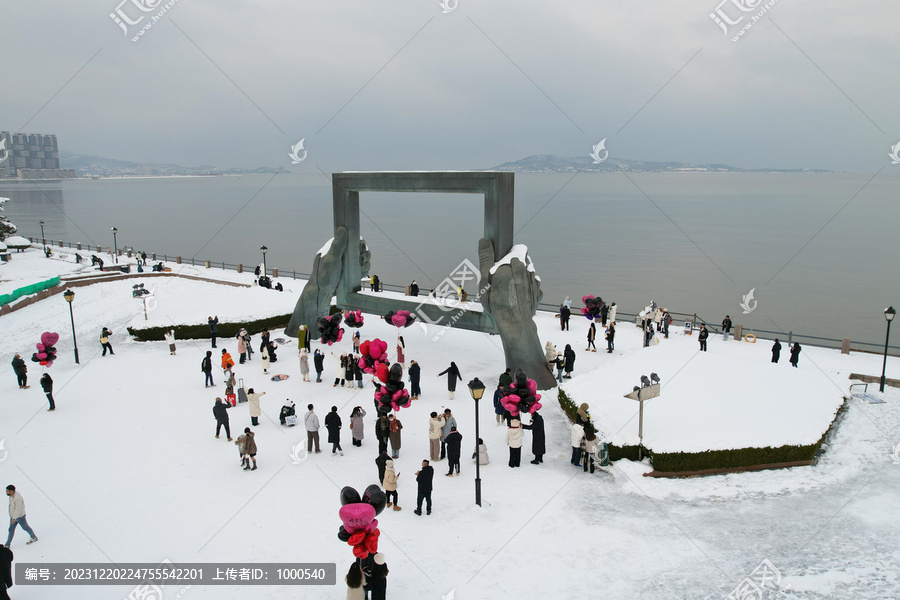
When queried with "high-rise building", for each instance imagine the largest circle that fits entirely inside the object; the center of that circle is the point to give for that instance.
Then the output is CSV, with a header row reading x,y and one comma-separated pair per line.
x,y
30,156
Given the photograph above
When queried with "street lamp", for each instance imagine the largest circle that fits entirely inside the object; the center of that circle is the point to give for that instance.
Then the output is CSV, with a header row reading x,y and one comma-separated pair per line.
x,y
264,250
43,239
476,388
115,246
889,313
69,295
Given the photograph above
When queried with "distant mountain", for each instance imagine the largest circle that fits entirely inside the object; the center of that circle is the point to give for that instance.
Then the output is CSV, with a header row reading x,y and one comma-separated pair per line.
x,y
549,163
87,165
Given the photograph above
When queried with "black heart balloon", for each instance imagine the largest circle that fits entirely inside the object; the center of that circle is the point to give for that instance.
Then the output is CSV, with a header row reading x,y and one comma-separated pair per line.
x,y
349,495
375,496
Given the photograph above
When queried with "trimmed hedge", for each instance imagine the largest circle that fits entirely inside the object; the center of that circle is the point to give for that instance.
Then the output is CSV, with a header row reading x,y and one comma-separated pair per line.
x,y
201,331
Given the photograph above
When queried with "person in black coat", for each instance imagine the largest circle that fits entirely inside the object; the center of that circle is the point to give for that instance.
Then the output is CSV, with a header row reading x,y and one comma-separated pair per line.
x,y
604,313
6,580
610,338
214,329
414,288
776,351
538,445
333,425
415,374
206,367
380,463
795,354
319,364
21,371
569,356
220,410
425,481
452,373
47,385
453,441
704,334
726,327
382,432
564,314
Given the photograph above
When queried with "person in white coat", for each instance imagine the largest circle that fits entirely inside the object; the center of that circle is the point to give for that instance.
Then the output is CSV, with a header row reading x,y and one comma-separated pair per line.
x,y
577,434
481,454
17,515
170,339
265,359
514,439
304,364
612,313
253,402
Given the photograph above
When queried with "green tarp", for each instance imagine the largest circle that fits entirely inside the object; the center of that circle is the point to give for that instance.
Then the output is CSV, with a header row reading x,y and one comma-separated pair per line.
x,y
28,290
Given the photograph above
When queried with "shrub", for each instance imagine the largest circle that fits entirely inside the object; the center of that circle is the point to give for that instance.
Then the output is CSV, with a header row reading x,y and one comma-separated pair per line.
x,y
201,331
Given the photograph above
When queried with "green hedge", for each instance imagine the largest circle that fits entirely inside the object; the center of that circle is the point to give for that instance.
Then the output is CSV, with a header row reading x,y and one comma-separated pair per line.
x,y
201,331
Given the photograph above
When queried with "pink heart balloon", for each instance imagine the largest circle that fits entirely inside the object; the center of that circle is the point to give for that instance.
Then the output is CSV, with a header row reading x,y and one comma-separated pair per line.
x,y
40,347
41,356
356,516
49,339
398,320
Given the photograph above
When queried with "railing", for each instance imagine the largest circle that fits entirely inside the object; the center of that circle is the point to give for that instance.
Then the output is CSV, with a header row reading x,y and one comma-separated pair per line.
x,y
621,316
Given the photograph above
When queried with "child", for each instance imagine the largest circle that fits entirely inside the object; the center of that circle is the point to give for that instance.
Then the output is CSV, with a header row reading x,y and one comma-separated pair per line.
x,y
482,453
390,484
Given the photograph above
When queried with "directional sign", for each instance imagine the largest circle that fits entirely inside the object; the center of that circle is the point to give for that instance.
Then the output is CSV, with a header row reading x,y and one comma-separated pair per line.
x,y
644,393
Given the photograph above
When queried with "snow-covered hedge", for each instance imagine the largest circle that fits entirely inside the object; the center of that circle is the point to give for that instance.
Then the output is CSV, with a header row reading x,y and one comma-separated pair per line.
x,y
201,331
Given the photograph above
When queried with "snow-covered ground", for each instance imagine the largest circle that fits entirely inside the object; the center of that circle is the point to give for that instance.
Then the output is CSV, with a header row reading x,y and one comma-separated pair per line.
x,y
127,468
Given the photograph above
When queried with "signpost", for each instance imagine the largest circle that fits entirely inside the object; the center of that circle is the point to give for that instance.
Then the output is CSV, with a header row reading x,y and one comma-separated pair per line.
x,y
646,392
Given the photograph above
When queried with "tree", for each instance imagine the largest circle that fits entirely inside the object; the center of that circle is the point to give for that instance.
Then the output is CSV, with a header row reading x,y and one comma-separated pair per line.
x,y
6,228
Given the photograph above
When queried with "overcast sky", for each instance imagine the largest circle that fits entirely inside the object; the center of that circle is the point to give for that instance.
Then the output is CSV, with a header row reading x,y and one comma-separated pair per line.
x,y
401,85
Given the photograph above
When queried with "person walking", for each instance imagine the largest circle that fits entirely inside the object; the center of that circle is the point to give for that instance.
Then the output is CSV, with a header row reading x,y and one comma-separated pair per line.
x,y
21,371
538,441
358,425
333,425
454,446
311,420
382,432
264,356
6,580
206,367
319,364
449,424
591,336
47,386
795,354
250,449
169,336
425,481
220,411
726,327
514,441
304,364
104,341
776,351
576,434
227,361
704,334
481,453
452,373
434,436
589,448
389,482
569,356
610,338
213,329
17,515
253,402
498,406
564,314
394,427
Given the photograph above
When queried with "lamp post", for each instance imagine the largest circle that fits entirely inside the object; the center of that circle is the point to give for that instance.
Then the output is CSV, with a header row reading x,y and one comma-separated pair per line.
x,y
69,295
889,313
476,388
115,245
264,250
43,239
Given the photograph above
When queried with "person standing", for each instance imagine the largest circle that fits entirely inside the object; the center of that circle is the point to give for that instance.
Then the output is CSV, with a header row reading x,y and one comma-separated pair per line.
x,y
242,349
341,374
358,425
21,371
356,582
434,436
47,385
414,288
357,373
589,448
220,411
6,580
227,361
382,432
538,441
104,341
250,448
389,482
401,346
333,425
564,313
776,351
348,370
395,426
604,313
304,364
514,441
264,356
381,463
569,356
425,480
415,374
311,420
17,515
667,320
576,435
170,339
452,373
591,336
726,327
704,334
253,401
498,406
357,340
378,581
454,443
795,354
506,378
213,329
449,424
319,364
303,338
612,313
610,337
206,367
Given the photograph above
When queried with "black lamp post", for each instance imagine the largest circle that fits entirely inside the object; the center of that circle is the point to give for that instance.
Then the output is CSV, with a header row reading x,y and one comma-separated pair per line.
x,y
69,295
476,388
264,250
43,239
115,245
889,313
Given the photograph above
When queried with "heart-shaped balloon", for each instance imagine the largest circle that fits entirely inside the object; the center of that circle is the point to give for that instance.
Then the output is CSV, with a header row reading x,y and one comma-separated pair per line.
x,y
375,497
40,347
356,516
535,407
41,355
349,495
49,338
382,372
342,534
398,320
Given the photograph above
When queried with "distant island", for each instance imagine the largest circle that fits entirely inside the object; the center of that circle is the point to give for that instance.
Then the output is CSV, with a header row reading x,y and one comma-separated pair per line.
x,y
549,163
86,165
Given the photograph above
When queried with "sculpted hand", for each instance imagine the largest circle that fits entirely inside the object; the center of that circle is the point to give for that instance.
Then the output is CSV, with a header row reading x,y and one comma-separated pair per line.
x,y
315,300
